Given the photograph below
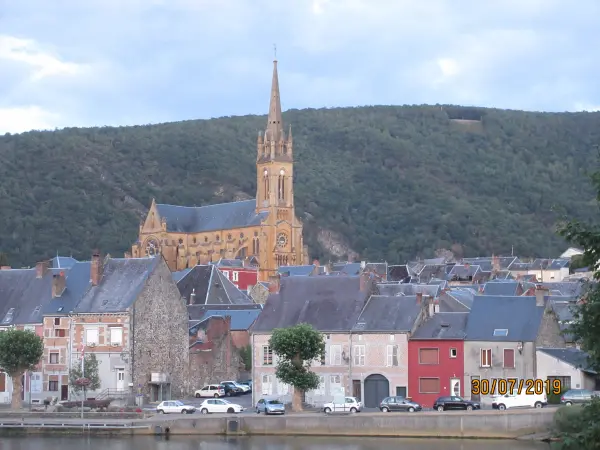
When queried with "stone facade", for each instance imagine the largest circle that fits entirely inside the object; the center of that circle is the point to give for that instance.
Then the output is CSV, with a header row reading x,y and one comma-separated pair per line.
x,y
55,361
160,338
259,293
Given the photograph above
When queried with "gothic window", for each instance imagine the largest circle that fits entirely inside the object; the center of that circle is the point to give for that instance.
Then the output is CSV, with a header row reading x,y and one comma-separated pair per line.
x,y
152,247
266,184
255,246
194,240
229,237
256,234
281,185
181,241
217,238
242,253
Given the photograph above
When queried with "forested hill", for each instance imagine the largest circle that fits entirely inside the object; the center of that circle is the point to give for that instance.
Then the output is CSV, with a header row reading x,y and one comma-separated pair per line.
x,y
394,182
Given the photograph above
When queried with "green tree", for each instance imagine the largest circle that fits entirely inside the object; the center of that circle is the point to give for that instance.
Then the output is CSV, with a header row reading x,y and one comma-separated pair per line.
x,y
20,351
296,348
91,373
4,259
246,355
580,429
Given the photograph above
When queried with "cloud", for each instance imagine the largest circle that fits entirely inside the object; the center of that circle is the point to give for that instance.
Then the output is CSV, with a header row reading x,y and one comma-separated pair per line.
x,y
18,120
105,62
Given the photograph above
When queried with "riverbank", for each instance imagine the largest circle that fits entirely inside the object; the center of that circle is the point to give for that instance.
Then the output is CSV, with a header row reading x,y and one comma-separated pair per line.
x,y
472,424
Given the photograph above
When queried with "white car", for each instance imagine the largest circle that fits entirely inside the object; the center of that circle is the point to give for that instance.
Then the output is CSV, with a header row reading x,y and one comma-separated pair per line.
x,y
218,405
245,388
175,407
343,404
211,390
509,401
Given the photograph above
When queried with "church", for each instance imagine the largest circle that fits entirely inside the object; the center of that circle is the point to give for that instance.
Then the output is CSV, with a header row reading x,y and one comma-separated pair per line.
x,y
264,231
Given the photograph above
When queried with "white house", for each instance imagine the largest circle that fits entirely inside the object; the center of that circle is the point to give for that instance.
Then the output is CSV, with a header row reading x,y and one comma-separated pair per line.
x,y
569,365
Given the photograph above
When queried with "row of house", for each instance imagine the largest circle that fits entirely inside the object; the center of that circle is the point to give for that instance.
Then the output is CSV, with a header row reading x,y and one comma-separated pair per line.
x,y
421,340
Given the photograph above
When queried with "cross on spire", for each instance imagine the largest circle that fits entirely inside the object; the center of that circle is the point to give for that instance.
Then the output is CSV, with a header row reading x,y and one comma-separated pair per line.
x,y
275,51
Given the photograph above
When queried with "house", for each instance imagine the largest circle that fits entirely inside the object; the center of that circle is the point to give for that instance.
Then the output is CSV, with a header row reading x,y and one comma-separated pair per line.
x,y
518,269
332,305
569,366
550,270
241,274
503,287
436,358
302,271
464,274
570,252
503,333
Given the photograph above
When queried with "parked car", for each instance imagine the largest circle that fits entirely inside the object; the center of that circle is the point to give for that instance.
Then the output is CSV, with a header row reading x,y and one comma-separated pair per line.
x,y
522,400
218,405
345,404
573,396
174,407
245,388
211,390
270,406
454,402
246,383
397,403
231,389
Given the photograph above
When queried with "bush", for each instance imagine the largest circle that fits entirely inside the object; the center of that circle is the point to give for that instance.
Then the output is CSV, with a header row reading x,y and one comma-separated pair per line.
x,y
567,419
554,399
578,427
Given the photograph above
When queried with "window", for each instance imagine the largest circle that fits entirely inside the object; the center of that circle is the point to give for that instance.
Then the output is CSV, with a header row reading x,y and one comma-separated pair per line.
x,y
321,388
236,276
267,356
266,385
509,358
391,359
392,337
486,357
283,388
53,358
429,356
335,385
116,335
53,386
226,273
453,353
359,355
57,321
335,355
91,336
500,332
429,385
60,332
29,328
565,382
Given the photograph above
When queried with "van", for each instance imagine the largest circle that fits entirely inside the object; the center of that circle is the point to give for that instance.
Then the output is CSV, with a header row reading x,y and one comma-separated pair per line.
x,y
508,401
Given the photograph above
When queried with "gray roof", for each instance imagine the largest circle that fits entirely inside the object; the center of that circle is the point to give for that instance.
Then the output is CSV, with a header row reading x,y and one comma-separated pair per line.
x,y
572,356
223,216
177,276
229,263
517,314
520,267
564,312
327,303
210,287
549,264
409,289
22,296
299,271
435,261
380,269
501,288
76,285
429,271
464,271
448,325
568,288
389,313
457,300
122,282
241,317
63,262
346,268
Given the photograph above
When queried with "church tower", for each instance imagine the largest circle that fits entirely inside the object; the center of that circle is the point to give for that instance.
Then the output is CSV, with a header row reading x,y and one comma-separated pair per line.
x,y
275,189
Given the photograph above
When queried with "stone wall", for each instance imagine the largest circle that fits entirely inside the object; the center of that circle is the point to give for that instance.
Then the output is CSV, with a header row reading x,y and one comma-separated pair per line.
x,y
160,334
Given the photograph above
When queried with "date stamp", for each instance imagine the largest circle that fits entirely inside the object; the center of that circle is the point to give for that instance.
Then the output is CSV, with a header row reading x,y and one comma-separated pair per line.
x,y
515,386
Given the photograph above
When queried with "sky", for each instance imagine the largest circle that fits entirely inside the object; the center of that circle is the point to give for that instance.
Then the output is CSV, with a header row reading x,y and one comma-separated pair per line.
x,y
66,63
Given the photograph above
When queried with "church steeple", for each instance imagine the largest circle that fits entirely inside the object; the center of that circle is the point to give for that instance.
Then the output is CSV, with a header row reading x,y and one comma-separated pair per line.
x,y
275,122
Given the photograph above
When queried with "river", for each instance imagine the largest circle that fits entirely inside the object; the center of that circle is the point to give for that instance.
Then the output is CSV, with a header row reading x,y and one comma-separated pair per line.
x,y
260,443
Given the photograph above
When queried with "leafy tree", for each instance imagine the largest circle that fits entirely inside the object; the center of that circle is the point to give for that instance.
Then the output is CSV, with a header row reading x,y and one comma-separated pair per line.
x,y
20,351
91,373
4,259
246,355
577,262
580,429
296,348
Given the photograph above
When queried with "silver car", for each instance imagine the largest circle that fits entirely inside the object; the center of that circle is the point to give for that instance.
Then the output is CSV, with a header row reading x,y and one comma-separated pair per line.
x,y
270,406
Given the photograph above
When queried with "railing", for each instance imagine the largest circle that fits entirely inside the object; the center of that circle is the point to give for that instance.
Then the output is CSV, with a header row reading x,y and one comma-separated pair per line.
x,y
113,393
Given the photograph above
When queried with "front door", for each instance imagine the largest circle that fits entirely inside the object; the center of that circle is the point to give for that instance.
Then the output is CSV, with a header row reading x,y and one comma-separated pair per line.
x,y
356,389
64,392
475,398
455,387
120,379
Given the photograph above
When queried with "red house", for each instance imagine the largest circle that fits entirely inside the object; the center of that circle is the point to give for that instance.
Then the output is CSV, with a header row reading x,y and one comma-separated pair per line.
x,y
242,276
436,358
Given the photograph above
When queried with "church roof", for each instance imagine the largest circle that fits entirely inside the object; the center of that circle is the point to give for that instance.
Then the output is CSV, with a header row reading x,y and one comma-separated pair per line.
x,y
222,216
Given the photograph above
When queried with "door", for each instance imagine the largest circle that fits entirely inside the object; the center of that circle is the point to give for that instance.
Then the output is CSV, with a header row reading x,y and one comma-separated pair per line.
x,y
455,387
2,382
120,379
64,392
377,387
475,398
356,389
401,391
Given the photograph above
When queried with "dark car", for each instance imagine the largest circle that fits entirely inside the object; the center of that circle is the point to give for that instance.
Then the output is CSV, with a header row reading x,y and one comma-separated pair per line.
x,y
447,403
390,404
573,396
231,389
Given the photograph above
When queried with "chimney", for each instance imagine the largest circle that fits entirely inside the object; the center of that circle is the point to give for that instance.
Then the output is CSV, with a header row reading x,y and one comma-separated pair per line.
x,y
58,284
541,295
96,268
41,268
193,297
419,298
274,284
363,264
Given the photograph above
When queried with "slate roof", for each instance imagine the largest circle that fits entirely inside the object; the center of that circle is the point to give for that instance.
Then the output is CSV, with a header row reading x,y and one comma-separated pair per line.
x,y
391,289
388,313
300,271
327,303
574,288
177,276
77,283
464,271
501,288
122,282
346,268
223,216
549,264
22,296
520,267
241,317
398,273
456,300
430,271
572,356
380,269
518,314
63,262
435,261
210,287
484,264
443,325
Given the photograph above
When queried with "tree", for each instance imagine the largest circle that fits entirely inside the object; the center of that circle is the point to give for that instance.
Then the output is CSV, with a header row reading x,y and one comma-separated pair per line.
x,y
581,429
246,356
296,348
20,351
4,259
90,379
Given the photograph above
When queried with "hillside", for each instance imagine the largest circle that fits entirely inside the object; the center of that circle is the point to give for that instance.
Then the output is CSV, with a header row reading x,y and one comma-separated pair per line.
x,y
394,182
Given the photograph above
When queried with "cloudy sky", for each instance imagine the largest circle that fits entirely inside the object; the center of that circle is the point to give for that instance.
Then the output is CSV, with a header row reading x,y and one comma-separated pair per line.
x,y
122,62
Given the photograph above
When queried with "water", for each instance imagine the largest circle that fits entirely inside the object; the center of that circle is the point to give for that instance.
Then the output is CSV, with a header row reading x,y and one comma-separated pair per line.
x,y
259,443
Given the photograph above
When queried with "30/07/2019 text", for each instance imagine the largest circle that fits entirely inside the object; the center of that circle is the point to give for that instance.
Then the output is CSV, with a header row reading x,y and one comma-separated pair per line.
x,y
503,386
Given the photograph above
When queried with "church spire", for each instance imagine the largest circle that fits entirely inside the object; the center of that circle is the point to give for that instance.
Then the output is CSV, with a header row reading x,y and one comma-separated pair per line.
x,y
274,121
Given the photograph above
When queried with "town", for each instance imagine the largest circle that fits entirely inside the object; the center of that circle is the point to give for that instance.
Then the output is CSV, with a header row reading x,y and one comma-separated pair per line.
x,y
197,297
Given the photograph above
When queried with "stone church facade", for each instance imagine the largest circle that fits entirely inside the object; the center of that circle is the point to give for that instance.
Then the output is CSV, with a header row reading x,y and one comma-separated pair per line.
x,y
264,231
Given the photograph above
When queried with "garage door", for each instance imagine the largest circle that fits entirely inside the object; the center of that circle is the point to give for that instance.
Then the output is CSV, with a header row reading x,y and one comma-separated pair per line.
x,y
377,387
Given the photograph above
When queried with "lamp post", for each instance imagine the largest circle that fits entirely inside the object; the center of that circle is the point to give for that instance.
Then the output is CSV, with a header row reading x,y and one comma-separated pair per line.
x,y
82,375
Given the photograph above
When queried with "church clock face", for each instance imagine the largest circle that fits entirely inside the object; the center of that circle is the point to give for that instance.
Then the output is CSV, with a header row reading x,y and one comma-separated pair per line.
x,y
281,240
152,247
